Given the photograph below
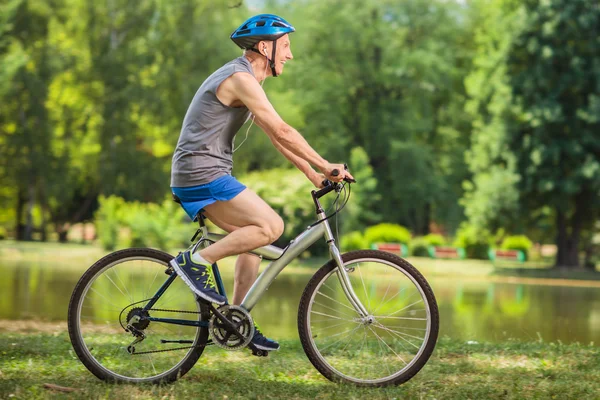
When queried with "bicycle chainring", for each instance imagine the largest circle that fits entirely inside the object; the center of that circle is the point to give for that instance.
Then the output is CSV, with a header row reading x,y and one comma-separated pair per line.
x,y
226,339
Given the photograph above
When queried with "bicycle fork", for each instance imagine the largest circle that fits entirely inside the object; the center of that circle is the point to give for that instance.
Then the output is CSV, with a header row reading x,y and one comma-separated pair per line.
x,y
343,274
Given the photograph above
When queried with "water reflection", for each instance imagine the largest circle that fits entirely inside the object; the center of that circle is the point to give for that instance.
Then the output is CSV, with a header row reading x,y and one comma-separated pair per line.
x,y
472,310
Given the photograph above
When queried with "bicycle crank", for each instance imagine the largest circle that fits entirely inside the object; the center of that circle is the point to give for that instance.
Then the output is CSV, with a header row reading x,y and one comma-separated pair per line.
x,y
231,327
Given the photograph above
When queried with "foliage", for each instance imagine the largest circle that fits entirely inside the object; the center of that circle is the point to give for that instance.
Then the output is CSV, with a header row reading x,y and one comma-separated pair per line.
x,y
536,117
476,243
419,247
150,225
402,102
108,221
354,241
360,210
387,233
434,239
517,242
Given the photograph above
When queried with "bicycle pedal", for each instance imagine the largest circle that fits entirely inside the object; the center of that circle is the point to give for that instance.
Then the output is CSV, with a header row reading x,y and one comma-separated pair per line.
x,y
258,352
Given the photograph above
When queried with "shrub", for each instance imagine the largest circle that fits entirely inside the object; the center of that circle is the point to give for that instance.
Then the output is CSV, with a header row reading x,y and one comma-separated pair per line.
x,y
419,247
107,220
162,226
475,243
434,239
2,233
387,233
518,242
354,241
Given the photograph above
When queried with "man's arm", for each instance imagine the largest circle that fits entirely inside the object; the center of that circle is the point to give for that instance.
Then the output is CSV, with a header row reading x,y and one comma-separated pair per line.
x,y
246,88
301,164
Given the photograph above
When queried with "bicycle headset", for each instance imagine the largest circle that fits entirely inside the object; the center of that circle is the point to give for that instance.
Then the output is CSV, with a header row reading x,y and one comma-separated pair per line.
x,y
262,27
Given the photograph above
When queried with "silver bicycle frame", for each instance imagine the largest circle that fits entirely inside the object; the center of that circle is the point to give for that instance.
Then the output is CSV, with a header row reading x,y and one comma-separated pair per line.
x,y
281,258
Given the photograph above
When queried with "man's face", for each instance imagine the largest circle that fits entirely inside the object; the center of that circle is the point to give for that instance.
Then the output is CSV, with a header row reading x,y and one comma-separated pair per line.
x,y
283,52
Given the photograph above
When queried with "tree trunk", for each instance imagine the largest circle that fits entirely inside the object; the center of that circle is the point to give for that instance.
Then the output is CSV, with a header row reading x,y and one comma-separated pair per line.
x,y
19,228
29,215
567,239
62,235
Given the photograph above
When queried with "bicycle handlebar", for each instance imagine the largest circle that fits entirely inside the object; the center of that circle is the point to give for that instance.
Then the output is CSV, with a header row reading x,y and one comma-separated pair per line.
x,y
336,172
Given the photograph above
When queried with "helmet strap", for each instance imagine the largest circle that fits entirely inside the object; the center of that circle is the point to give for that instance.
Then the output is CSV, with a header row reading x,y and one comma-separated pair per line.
x,y
272,60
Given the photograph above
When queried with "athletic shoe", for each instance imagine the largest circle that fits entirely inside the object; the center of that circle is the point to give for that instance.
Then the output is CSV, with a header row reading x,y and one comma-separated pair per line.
x,y
198,277
261,342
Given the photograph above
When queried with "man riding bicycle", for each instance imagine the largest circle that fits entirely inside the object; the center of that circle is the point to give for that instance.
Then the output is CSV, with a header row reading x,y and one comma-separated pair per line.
x,y
202,162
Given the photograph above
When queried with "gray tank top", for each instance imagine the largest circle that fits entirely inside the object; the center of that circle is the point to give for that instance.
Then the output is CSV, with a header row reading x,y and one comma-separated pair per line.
x,y
205,146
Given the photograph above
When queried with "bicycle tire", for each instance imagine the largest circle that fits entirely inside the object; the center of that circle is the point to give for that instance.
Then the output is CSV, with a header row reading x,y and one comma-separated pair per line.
x,y
305,306
88,360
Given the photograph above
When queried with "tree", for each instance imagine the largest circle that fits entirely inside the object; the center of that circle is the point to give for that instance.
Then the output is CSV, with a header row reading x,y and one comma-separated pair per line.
x,y
538,114
388,77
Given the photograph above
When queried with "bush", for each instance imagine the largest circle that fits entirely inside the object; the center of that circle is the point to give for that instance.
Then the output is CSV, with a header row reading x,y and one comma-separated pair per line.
x,y
2,233
475,243
354,241
387,233
419,247
108,221
433,239
518,242
161,226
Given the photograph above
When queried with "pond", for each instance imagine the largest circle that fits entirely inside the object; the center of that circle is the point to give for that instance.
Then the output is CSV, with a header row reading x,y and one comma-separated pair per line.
x,y
470,310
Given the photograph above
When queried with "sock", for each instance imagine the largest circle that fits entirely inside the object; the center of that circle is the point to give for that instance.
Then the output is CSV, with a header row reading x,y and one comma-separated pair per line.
x,y
197,258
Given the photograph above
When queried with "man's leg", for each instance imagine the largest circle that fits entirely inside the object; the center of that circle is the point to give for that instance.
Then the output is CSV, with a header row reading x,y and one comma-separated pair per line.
x,y
246,271
246,265
251,224
258,225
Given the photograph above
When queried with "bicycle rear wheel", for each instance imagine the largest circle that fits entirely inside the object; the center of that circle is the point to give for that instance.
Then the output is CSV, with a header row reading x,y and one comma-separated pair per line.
x,y
387,348
113,290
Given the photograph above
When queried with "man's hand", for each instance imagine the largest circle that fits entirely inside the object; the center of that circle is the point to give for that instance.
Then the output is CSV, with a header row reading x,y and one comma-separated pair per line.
x,y
316,179
342,173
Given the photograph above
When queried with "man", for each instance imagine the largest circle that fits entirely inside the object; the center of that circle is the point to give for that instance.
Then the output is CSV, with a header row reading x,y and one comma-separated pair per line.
x,y
202,162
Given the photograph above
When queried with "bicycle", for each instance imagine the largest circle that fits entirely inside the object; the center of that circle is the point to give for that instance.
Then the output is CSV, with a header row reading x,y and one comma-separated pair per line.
x,y
366,317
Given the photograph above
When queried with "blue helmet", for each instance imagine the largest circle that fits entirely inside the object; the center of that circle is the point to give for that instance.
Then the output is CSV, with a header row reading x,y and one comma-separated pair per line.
x,y
260,27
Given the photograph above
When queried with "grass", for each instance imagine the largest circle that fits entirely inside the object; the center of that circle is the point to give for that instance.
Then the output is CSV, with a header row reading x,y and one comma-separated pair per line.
x,y
35,354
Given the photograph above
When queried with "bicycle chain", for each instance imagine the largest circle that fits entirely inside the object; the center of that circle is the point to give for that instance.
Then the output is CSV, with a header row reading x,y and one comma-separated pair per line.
x,y
178,348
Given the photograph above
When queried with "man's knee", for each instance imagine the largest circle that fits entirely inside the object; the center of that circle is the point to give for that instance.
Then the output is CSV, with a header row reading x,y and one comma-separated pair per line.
x,y
273,229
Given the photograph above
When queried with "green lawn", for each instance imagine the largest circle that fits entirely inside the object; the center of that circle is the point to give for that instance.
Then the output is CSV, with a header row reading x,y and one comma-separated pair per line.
x,y
457,370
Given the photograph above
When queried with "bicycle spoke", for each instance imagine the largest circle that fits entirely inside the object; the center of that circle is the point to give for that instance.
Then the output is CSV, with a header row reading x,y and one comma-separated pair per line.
x,y
380,353
407,341
409,318
410,305
119,289
333,309
332,316
124,285
399,333
390,299
387,345
107,300
364,287
332,299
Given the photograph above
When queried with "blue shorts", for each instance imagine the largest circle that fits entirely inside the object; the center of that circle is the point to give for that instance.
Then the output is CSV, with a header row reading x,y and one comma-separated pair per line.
x,y
195,198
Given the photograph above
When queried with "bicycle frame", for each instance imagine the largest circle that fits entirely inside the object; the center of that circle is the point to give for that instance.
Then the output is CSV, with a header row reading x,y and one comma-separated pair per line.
x,y
280,258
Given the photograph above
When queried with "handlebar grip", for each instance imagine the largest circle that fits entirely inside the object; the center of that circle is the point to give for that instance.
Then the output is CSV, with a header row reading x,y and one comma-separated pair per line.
x,y
335,172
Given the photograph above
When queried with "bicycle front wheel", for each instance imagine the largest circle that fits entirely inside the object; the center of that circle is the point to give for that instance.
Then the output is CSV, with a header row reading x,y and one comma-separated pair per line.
x,y
114,291
391,344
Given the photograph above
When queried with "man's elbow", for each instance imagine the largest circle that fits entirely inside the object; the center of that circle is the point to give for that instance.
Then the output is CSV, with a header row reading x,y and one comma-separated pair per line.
x,y
282,133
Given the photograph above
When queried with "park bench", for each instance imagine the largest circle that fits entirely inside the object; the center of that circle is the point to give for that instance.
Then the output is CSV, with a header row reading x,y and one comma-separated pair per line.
x,y
400,249
447,252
